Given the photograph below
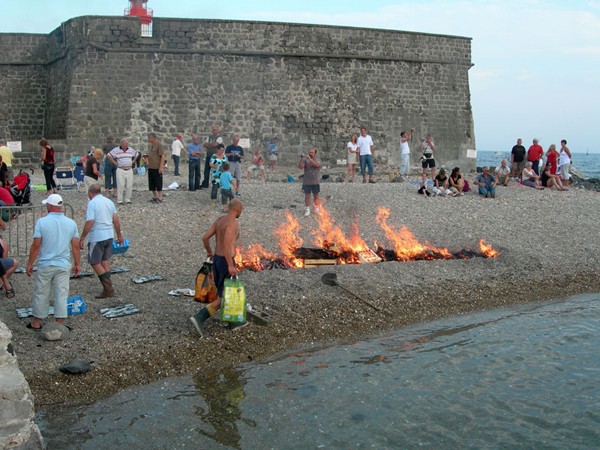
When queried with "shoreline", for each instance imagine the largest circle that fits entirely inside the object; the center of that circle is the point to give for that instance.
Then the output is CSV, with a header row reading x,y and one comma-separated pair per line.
x,y
547,251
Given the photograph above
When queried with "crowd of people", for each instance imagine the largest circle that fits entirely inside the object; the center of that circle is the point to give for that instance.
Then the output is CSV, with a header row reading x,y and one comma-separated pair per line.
x,y
56,236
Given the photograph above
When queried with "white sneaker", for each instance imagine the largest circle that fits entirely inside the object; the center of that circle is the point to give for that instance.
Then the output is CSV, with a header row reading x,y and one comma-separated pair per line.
x,y
307,212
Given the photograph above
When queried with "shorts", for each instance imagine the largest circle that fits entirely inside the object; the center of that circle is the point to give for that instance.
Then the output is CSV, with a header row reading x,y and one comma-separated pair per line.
x,y
273,157
236,170
155,180
99,251
7,263
428,162
311,188
226,194
221,272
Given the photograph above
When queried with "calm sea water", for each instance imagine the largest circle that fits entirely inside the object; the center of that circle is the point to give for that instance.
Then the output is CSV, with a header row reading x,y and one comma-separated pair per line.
x,y
524,377
587,163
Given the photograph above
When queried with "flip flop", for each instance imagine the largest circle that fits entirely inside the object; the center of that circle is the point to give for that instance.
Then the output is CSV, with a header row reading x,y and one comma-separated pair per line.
x,y
119,311
31,327
147,278
10,293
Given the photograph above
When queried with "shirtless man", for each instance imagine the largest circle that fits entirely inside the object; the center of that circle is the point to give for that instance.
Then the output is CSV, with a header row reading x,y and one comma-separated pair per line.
x,y
226,232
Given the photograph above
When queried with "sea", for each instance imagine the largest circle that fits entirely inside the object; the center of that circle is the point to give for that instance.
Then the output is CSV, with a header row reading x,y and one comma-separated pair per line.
x,y
522,377
588,163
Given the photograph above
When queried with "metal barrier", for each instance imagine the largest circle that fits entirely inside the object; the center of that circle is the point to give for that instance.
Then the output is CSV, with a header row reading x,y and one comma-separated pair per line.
x,y
20,224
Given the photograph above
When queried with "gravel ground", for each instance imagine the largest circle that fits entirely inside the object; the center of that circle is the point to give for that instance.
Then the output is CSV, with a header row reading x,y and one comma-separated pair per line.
x,y
548,249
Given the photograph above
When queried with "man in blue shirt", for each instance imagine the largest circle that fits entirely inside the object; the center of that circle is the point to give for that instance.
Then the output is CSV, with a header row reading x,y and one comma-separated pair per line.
x,y
100,218
235,154
195,153
54,236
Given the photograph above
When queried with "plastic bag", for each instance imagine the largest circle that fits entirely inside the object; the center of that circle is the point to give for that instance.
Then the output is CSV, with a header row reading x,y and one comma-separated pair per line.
x,y
206,290
233,306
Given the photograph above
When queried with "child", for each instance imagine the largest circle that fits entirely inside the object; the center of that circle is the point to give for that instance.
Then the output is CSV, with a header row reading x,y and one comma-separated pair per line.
x,y
441,184
423,185
226,194
258,164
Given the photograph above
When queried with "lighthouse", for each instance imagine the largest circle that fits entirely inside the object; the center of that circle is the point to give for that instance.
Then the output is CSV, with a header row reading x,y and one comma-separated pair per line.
x,y
139,8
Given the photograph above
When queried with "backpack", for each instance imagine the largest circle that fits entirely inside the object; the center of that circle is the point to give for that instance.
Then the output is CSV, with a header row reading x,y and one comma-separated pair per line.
x,y
466,187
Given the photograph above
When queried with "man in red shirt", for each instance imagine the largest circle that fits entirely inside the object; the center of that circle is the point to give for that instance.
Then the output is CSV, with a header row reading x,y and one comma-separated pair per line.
x,y
534,154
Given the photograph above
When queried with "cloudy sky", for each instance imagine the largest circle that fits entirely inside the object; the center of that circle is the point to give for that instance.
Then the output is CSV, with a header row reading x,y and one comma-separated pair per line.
x,y
537,62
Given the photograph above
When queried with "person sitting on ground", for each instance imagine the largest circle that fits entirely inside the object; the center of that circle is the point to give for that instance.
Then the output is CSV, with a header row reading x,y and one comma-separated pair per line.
x,y
8,265
258,164
226,179
551,180
423,185
440,186
530,178
503,173
486,183
456,182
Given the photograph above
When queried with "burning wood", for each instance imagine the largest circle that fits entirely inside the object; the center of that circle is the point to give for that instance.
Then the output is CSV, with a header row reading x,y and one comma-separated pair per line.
x,y
333,246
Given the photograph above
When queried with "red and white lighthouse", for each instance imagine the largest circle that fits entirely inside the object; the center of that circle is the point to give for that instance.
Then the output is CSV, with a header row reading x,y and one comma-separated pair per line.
x,y
139,8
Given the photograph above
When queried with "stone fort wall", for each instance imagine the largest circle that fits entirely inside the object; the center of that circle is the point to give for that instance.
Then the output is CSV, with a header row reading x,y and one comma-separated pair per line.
x,y
305,84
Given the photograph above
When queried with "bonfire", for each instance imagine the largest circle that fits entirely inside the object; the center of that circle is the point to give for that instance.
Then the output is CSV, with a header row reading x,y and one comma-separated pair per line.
x,y
333,246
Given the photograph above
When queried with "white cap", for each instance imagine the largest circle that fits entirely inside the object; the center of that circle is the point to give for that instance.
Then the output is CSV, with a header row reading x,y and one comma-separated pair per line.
x,y
54,200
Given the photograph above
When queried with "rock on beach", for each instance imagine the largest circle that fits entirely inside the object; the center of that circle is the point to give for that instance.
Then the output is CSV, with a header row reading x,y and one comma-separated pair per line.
x,y
548,244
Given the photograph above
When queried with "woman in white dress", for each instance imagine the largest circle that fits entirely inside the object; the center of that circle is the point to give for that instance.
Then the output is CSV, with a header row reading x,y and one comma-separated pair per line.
x,y
352,158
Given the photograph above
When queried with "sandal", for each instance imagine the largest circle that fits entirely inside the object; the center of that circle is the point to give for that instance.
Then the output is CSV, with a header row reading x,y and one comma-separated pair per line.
x,y
31,327
10,293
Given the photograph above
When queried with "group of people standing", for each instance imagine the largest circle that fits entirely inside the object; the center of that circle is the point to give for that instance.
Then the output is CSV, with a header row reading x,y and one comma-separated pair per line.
x,y
536,169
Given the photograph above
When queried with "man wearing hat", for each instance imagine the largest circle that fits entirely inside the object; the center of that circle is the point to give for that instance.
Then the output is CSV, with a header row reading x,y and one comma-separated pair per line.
x,y
54,236
176,148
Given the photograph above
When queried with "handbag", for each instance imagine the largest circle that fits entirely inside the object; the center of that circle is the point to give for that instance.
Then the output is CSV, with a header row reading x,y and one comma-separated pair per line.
x,y
233,306
206,290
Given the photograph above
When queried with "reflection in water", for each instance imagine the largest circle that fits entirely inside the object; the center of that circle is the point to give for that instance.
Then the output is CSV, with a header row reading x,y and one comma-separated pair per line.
x,y
523,377
223,391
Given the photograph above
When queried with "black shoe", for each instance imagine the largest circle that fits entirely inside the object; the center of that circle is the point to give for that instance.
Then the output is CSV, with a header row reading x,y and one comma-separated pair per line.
x,y
199,320
192,190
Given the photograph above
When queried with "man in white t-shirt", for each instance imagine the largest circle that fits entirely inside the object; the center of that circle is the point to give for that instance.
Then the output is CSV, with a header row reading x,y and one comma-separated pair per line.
x,y
405,153
503,173
367,154
176,148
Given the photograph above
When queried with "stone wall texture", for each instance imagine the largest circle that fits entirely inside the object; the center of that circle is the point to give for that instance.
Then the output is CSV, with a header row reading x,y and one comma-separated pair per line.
x,y
304,84
17,429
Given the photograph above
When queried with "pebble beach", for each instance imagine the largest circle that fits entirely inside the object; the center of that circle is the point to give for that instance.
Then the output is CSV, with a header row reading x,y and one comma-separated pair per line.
x,y
546,239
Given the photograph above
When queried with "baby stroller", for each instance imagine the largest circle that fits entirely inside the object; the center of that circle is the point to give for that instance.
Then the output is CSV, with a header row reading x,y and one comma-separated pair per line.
x,y
20,189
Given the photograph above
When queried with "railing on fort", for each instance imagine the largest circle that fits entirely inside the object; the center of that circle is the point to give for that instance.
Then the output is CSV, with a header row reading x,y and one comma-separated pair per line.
x,y
20,224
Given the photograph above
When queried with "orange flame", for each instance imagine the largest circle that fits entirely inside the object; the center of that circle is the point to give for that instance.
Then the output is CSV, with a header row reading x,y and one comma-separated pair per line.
x,y
330,236
252,257
487,250
289,240
406,245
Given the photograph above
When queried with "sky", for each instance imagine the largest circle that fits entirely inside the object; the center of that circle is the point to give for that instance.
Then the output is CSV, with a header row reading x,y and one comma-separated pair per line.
x,y
536,70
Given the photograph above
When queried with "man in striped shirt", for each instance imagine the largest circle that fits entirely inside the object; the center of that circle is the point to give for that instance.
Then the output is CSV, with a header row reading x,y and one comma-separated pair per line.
x,y
123,157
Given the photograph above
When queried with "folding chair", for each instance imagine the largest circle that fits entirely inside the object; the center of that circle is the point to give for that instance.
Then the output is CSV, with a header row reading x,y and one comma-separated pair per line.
x,y
65,178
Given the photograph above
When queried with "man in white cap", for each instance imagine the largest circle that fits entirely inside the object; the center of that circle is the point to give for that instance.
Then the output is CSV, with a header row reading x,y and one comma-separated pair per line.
x,y
54,236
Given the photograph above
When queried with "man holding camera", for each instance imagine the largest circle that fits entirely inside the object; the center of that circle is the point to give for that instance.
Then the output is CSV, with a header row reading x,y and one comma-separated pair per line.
x,y
427,160
310,183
